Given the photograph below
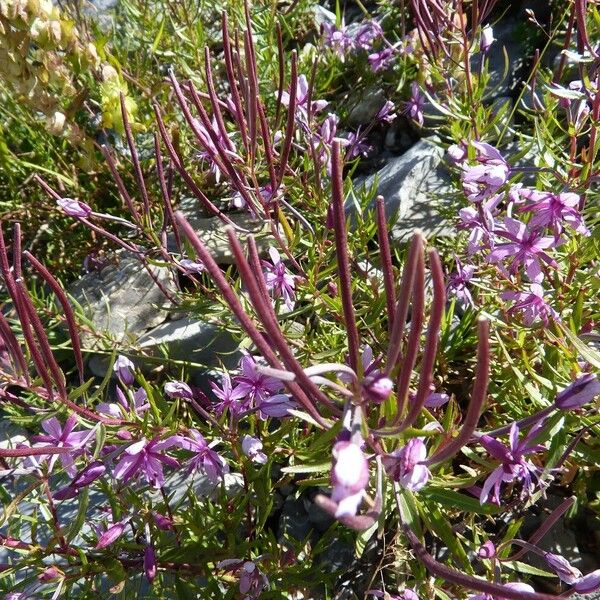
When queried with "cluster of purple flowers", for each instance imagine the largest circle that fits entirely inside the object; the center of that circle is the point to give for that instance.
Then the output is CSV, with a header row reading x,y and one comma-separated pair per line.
x,y
367,37
516,246
251,390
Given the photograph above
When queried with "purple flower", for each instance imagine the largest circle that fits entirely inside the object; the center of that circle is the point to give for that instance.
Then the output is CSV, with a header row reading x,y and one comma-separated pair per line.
x,y
525,247
137,407
278,279
413,107
74,208
366,34
349,477
277,406
382,60
458,281
357,145
436,399
302,100
145,457
191,266
532,305
377,388
266,194
553,211
457,153
178,389
123,367
206,460
254,385
252,448
487,38
386,112
484,179
64,437
487,550
562,568
111,535
84,478
252,580
338,39
229,397
513,464
210,149
404,465
324,139
588,583
583,390
480,223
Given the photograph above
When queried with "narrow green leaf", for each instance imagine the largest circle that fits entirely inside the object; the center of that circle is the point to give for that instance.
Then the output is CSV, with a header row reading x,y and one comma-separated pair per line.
x,y
77,524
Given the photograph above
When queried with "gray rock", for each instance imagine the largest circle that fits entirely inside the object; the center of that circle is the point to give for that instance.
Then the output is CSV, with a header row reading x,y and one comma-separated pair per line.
x,y
293,521
211,230
194,341
320,519
179,483
322,16
560,540
367,107
414,186
592,596
122,300
503,74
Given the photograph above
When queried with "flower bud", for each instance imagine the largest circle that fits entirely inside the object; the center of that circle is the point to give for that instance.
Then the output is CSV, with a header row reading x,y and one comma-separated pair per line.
x,y
111,535
588,583
377,388
487,38
350,476
178,389
149,563
562,568
123,367
88,475
580,392
74,208
66,493
487,550
162,522
50,574
252,448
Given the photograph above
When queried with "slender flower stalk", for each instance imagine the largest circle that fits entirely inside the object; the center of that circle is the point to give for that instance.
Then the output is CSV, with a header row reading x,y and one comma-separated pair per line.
x,y
386,261
291,118
137,169
341,247
66,306
411,266
254,282
478,397
245,321
414,337
431,342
